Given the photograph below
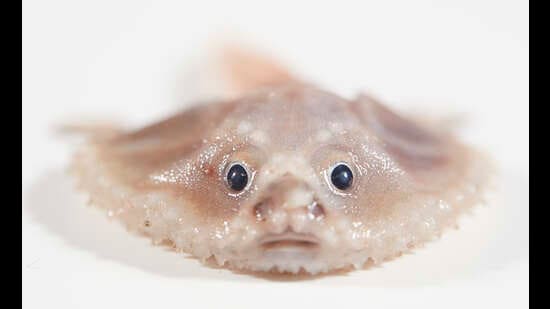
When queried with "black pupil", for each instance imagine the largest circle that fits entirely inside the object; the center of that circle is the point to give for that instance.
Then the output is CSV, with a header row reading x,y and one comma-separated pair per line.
x,y
237,178
341,177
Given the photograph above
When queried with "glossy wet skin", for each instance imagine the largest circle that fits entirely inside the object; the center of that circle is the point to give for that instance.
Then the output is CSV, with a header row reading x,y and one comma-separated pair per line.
x,y
290,216
285,135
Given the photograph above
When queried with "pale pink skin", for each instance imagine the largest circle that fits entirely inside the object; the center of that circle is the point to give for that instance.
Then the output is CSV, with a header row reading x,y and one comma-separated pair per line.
x,y
168,180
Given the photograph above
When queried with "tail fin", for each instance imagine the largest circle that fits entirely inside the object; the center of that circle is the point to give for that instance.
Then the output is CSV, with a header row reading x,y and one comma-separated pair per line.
x,y
245,69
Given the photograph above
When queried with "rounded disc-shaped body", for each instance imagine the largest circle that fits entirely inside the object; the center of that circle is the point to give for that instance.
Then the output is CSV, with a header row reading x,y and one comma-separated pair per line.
x,y
321,182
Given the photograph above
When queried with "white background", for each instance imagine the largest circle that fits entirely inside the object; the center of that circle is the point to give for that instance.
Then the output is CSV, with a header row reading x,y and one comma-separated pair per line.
x,y
132,61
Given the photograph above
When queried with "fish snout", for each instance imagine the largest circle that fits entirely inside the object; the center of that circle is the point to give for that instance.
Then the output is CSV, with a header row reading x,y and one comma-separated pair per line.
x,y
287,200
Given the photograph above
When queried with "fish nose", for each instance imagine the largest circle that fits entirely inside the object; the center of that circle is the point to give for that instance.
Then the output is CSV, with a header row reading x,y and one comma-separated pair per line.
x,y
288,197
267,209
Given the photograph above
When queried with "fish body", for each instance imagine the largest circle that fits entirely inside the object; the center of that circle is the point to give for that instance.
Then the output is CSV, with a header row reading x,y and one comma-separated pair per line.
x,y
285,177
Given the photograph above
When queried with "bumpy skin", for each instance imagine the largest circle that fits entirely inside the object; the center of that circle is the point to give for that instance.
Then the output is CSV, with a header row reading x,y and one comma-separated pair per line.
x,y
168,180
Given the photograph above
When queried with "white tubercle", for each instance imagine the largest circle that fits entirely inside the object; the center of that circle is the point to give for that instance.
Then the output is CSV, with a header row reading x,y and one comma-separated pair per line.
x,y
259,137
299,197
323,135
244,127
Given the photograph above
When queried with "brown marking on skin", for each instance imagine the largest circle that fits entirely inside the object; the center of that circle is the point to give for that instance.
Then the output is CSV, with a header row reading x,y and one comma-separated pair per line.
x,y
209,171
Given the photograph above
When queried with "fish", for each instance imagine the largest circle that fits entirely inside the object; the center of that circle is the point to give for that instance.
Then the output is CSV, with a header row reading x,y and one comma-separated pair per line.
x,y
282,176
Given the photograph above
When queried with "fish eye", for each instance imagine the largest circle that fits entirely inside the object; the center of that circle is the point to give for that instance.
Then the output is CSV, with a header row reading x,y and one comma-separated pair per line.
x,y
341,176
237,177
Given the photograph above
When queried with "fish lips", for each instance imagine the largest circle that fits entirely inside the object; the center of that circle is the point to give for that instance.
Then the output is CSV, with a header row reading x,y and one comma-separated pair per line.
x,y
289,242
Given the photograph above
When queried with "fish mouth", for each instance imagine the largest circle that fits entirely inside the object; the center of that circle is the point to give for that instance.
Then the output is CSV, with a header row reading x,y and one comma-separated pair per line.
x,y
289,240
